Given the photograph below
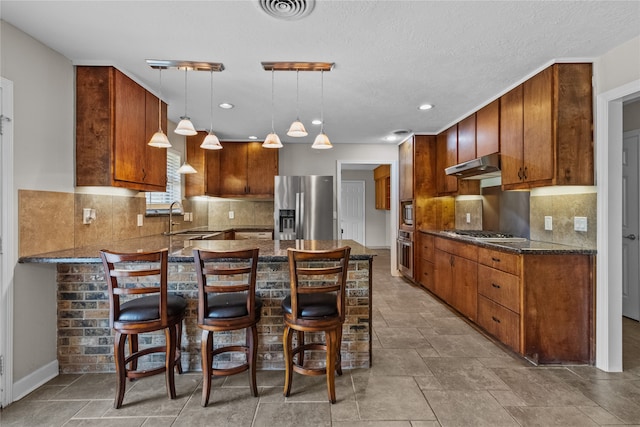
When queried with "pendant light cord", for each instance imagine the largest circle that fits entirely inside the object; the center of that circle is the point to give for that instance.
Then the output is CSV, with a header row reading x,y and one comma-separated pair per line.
x,y
273,129
211,128
160,102
297,97
185,92
322,101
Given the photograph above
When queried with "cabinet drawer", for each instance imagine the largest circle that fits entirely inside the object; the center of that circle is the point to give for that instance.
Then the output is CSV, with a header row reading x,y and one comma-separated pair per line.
x,y
260,235
426,276
463,250
426,246
500,260
501,287
499,322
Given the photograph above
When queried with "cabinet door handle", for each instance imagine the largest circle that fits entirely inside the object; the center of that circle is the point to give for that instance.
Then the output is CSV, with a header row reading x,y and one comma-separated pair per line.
x,y
525,172
494,259
495,286
495,319
520,174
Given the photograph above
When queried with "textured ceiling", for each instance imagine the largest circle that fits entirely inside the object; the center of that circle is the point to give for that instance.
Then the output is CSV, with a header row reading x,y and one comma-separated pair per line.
x,y
390,56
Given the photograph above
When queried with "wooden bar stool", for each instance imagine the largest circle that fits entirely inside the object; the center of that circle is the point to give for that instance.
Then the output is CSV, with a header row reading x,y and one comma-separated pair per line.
x,y
316,304
139,303
226,302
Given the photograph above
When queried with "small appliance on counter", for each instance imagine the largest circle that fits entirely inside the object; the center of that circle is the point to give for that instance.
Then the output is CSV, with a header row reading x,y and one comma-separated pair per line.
x,y
303,208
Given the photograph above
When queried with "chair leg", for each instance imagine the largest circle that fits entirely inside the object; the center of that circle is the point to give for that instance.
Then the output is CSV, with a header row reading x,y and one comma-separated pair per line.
x,y
206,350
133,348
170,360
300,335
288,359
252,357
338,353
179,347
121,368
331,337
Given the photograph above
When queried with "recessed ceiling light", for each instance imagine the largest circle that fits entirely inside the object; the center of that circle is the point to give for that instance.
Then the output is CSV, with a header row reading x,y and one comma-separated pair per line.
x,y
425,107
316,122
226,106
253,137
390,138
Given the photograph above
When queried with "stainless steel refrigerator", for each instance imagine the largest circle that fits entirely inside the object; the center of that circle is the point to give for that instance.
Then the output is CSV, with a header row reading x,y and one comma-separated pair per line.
x,y
303,208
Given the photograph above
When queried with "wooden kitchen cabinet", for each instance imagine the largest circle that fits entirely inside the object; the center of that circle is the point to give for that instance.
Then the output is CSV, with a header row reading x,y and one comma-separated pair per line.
x,y
456,275
405,163
247,170
206,182
382,179
553,144
426,251
446,155
467,139
488,129
240,169
115,119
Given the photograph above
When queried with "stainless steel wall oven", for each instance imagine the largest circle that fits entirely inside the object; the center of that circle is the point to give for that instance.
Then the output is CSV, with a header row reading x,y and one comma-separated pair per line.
x,y
405,252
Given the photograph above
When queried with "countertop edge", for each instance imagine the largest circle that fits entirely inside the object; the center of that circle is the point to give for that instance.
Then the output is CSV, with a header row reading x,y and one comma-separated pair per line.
x,y
542,248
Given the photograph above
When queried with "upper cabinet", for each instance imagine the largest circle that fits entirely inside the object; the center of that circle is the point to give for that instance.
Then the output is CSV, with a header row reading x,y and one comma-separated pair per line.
x,y
446,155
405,161
546,129
115,118
382,178
488,129
240,169
467,139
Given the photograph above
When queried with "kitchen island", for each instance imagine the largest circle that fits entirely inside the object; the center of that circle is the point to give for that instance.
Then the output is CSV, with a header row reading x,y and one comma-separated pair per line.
x,y
85,340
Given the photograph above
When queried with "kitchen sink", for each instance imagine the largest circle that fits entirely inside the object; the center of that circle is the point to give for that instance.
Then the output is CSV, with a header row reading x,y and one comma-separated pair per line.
x,y
197,235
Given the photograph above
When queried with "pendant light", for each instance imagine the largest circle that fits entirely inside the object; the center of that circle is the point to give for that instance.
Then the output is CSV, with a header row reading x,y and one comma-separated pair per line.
x,y
211,142
159,139
186,168
272,140
185,127
297,128
322,141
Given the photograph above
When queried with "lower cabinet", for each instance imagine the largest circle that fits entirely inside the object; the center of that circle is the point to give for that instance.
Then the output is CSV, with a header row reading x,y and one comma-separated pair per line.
x,y
539,305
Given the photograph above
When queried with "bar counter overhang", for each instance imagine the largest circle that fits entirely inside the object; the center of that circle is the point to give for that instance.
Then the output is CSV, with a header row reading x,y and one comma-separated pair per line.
x,y
85,340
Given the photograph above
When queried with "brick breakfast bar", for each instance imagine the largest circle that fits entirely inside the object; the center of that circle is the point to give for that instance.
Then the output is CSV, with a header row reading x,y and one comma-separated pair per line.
x,y
85,340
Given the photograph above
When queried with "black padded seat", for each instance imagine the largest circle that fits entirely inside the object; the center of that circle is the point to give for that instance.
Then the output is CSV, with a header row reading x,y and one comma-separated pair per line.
x,y
313,306
146,308
229,306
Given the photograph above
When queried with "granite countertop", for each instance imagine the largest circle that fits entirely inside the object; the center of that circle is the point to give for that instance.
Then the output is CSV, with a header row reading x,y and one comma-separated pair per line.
x,y
525,247
181,248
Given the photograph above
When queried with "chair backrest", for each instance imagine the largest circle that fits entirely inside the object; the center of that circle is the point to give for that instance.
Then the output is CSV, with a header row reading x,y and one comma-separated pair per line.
x,y
145,273
220,272
318,271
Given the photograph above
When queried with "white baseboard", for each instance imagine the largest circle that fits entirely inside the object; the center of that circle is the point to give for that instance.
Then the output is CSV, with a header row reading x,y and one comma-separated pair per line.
x,y
34,380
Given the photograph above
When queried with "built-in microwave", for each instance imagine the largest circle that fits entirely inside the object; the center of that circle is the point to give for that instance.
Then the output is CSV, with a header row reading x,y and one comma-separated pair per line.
x,y
407,213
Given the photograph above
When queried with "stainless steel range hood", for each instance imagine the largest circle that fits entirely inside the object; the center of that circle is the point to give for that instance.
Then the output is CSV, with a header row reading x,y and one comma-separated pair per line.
x,y
483,167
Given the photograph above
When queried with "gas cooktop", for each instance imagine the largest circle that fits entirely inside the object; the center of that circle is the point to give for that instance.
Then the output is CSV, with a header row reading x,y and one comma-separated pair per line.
x,y
486,235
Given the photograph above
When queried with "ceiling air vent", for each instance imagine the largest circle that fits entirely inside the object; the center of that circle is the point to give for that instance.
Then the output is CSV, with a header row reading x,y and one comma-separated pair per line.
x,y
288,9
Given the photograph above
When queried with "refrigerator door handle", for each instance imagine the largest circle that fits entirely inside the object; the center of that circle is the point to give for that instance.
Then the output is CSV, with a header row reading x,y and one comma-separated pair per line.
x,y
297,226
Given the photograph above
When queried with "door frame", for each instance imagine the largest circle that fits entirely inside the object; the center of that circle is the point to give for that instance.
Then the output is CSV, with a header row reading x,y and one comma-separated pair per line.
x,y
609,236
9,244
393,227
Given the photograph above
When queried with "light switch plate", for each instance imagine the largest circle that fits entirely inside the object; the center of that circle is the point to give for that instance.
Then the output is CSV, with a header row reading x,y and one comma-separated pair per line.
x,y
231,215
468,218
140,220
580,223
548,223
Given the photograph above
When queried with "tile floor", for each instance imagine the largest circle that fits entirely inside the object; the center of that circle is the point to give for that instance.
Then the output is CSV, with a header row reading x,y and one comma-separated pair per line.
x,y
430,369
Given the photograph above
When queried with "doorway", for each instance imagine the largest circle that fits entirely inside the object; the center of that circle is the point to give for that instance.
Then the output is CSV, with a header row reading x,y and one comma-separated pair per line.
x,y
631,225
609,139
7,241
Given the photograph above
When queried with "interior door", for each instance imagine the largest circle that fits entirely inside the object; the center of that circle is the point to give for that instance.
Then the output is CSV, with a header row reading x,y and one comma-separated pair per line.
x,y
630,226
352,221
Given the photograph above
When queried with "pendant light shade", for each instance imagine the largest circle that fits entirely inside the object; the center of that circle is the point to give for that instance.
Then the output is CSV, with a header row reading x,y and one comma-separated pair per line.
x,y
297,129
322,140
186,168
185,127
272,140
159,139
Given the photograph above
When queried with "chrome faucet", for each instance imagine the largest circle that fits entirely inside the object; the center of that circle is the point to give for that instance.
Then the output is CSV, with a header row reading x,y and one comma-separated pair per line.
x,y
171,223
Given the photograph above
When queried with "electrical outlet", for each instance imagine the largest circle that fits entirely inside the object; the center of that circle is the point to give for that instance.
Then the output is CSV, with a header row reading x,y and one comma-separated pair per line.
x,y
140,220
231,215
548,223
468,218
580,223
